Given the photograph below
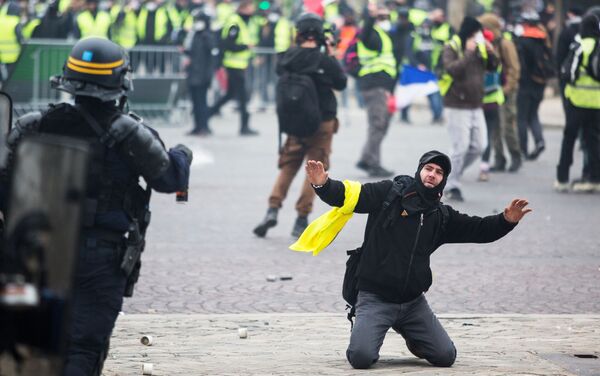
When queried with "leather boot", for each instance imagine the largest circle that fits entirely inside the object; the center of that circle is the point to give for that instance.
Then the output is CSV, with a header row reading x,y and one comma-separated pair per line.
x,y
269,221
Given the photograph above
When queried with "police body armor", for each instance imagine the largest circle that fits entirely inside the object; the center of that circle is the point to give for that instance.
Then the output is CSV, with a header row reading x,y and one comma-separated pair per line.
x,y
120,152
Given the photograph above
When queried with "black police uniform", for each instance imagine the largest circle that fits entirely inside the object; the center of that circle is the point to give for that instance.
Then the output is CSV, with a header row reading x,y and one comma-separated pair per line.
x,y
123,149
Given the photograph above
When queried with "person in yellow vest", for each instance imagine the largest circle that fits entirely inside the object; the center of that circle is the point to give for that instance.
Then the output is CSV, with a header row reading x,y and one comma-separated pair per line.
x,y
511,71
224,10
376,81
583,113
11,36
123,29
153,24
276,36
92,22
466,58
236,43
52,25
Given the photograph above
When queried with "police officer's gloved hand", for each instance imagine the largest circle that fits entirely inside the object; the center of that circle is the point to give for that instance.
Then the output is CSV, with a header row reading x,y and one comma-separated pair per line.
x,y
185,150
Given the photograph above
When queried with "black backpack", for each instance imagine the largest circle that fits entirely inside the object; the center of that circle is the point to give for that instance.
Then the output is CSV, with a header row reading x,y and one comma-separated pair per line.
x,y
569,68
593,67
543,67
297,101
350,284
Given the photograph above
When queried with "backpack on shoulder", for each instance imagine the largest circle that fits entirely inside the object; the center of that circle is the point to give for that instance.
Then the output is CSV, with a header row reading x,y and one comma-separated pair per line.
x,y
593,67
297,102
350,60
569,68
350,283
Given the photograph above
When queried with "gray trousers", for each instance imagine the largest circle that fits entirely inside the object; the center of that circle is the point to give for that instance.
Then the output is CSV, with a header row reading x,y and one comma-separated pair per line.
x,y
425,337
379,122
508,132
468,137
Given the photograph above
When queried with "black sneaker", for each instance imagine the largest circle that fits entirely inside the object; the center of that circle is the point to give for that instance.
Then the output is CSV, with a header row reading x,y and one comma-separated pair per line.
x,y
299,226
363,166
454,195
248,132
515,165
269,221
536,153
498,168
380,172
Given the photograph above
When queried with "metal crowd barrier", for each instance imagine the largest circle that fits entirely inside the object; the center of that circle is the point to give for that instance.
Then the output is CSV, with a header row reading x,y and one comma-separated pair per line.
x,y
159,80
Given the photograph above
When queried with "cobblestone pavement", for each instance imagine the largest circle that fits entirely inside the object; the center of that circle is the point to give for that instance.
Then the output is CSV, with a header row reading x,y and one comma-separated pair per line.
x,y
315,344
203,258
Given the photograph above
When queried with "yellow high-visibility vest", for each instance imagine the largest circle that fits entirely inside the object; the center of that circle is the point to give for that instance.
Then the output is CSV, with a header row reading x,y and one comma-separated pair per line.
x,y
9,44
29,27
125,34
93,27
585,92
283,35
456,44
239,59
372,61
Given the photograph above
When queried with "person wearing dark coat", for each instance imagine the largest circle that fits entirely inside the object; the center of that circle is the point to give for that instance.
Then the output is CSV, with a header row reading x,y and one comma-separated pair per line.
x,y
394,270
201,48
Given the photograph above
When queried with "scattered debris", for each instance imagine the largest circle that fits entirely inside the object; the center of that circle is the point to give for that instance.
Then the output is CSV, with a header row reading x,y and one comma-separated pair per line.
x,y
146,340
286,277
147,368
271,278
243,332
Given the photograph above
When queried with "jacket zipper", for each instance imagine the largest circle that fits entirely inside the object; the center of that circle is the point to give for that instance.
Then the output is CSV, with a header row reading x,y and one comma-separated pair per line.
x,y
412,255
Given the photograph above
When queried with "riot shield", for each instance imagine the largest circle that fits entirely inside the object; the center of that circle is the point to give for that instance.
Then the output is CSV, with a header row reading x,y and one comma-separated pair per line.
x,y
42,230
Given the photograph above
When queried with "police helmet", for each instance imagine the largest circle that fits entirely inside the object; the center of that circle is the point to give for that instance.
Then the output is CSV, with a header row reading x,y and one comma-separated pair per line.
x,y
309,24
96,67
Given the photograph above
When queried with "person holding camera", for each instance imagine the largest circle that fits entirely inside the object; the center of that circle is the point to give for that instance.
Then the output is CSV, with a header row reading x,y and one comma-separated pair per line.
x,y
376,80
313,58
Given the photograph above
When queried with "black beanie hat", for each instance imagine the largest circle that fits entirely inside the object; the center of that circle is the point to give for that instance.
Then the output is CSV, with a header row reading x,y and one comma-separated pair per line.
x,y
431,196
468,27
439,159
590,26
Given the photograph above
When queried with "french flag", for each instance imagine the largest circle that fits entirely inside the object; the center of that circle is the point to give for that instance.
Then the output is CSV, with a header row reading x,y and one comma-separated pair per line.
x,y
414,83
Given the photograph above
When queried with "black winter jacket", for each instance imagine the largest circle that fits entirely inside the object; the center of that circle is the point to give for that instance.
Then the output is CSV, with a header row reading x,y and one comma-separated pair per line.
x,y
326,72
395,259
203,61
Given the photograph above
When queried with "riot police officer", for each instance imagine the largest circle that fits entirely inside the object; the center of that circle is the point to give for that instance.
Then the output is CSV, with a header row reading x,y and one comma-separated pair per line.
x,y
124,149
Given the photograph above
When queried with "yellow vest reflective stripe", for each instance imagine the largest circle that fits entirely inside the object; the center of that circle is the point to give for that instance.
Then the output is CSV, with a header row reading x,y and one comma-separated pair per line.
x,y
9,44
160,24
283,35
93,27
585,92
29,28
237,60
456,44
372,61
125,34
177,17
417,16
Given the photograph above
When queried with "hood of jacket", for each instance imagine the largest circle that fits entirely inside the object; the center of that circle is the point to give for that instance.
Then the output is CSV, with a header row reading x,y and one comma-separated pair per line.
x,y
491,22
301,60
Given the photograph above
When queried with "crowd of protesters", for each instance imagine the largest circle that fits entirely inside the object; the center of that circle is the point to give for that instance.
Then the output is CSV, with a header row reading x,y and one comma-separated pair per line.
x,y
492,70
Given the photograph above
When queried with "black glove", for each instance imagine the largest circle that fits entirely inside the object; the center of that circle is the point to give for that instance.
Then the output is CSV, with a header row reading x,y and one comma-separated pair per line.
x,y
185,150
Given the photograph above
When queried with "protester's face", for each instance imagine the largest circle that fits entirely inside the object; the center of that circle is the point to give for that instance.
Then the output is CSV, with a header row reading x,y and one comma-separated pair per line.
x,y
431,175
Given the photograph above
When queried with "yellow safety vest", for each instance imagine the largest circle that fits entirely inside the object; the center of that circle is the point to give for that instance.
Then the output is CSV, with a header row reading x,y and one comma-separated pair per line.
x,y
372,61
331,11
9,44
29,28
93,27
417,16
160,24
240,59
283,35
177,17
63,5
440,36
585,92
224,11
456,44
125,35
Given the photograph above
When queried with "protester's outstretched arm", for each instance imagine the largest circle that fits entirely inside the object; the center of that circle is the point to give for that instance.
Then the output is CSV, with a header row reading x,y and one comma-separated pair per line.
x,y
333,192
464,228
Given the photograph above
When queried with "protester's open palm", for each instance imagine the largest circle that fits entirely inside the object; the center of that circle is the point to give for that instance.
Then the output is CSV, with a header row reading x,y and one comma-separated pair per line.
x,y
516,210
315,172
